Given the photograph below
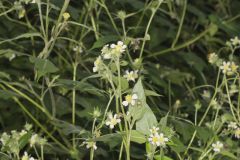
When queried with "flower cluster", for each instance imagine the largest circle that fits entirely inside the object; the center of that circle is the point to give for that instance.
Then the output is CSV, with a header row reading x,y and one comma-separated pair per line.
x,y
90,144
12,141
97,64
213,58
217,147
229,68
235,41
37,140
78,49
112,120
131,76
234,129
113,51
157,139
27,157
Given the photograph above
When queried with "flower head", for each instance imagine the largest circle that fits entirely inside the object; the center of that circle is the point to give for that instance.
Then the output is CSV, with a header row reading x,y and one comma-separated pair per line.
x,y
130,100
213,58
237,133
78,49
105,52
225,67
131,76
154,130
90,144
112,120
235,41
119,47
232,125
66,16
34,140
97,64
217,146
158,139
27,157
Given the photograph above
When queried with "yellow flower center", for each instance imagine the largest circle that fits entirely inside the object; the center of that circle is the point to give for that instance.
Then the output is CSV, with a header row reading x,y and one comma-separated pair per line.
x,y
128,98
113,121
154,139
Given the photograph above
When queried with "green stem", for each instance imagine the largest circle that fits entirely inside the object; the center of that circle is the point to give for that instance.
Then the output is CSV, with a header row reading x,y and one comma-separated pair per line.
x,y
229,99
148,26
186,44
42,153
74,102
181,24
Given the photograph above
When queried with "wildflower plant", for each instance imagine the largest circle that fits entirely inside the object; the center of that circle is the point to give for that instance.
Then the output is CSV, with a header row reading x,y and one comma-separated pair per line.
x,y
119,80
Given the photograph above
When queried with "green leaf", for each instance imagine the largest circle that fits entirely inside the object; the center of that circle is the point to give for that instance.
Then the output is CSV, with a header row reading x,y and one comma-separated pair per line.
x,y
43,66
124,83
67,128
4,75
204,133
25,35
7,94
163,121
137,137
177,145
158,157
228,154
24,140
148,119
194,61
151,93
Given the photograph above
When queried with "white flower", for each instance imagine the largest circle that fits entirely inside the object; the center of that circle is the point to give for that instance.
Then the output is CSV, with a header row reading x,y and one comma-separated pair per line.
x,y
232,125
112,120
23,132
237,133
33,1
34,139
131,76
154,130
120,47
130,100
234,67
78,49
105,52
97,64
212,58
235,41
217,146
158,139
27,157
90,145
225,67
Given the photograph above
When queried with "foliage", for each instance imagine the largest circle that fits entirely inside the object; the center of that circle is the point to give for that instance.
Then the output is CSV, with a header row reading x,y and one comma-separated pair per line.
x,y
119,79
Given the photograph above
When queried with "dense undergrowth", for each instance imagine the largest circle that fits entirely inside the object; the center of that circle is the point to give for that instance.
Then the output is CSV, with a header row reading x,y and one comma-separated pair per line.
x,y
119,79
